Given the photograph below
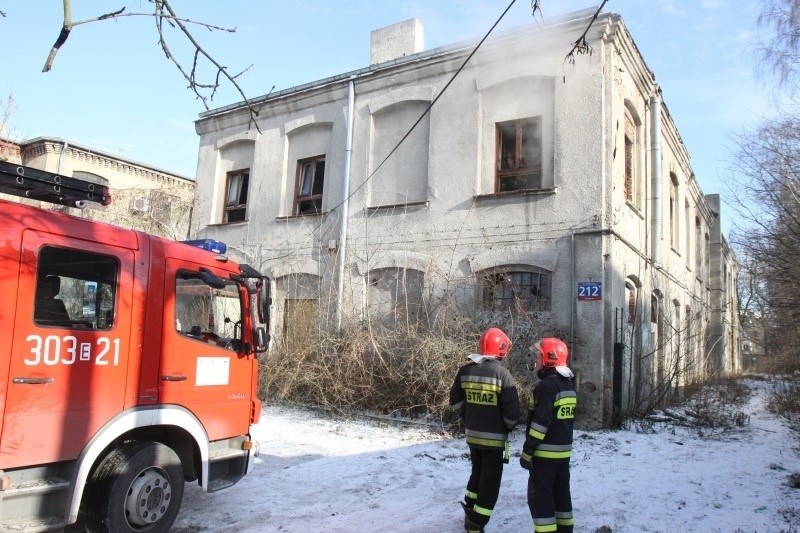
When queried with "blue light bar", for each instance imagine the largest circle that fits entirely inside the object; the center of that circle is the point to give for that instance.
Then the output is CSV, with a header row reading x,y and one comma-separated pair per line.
x,y
208,244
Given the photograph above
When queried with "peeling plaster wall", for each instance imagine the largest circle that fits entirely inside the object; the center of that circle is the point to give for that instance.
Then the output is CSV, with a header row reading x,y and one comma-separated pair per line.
x,y
578,226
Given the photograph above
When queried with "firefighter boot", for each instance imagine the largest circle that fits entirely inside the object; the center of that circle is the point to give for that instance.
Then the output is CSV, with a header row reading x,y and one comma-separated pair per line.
x,y
469,514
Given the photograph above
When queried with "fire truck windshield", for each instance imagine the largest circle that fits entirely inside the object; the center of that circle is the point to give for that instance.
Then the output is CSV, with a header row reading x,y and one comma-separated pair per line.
x,y
208,314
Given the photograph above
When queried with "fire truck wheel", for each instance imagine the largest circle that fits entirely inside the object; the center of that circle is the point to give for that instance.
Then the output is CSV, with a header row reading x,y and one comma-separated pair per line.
x,y
138,487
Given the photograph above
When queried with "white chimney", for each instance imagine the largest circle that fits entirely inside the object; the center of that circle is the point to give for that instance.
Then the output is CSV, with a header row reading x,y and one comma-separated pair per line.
x,y
395,41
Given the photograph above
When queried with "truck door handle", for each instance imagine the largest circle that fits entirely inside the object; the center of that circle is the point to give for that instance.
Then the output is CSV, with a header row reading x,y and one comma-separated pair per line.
x,y
173,378
32,381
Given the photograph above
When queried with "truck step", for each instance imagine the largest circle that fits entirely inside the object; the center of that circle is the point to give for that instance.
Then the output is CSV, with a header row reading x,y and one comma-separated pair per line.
x,y
34,525
37,486
33,505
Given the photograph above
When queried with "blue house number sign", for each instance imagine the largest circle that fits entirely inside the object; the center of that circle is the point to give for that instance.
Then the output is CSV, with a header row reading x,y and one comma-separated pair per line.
x,y
590,290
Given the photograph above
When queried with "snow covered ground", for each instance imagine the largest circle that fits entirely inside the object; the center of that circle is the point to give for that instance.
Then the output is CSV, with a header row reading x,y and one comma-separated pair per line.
x,y
319,473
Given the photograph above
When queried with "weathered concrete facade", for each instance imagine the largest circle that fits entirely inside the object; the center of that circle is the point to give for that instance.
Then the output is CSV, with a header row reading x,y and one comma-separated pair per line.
x,y
531,187
143,197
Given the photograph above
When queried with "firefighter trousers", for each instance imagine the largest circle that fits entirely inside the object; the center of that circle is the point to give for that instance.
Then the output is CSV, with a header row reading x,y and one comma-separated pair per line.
x,y
483,486
549,497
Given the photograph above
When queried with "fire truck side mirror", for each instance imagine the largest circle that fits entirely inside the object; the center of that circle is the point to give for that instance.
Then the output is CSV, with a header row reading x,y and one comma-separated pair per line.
x,y
261,340
264,301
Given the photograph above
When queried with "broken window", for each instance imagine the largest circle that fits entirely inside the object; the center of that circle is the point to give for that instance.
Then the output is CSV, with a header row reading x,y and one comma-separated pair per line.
x,y
519,155
516,291
308,192
236,196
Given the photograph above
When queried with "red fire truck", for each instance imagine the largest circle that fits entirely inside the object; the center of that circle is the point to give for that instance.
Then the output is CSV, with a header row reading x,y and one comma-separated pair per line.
x,y
128,364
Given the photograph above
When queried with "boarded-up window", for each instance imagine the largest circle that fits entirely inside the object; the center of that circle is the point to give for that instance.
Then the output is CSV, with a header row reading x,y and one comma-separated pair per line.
x,y
402,177
630,159
298,295
630,291
299,322
395,295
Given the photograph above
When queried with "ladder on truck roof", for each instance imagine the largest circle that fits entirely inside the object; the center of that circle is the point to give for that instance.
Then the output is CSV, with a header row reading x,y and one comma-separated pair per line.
x,y
36,184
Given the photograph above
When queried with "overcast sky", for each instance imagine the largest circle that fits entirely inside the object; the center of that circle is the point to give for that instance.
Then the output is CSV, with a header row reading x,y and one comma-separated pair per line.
x,y
112,89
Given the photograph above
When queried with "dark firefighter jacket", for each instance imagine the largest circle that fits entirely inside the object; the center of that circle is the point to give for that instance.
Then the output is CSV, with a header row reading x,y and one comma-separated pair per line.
x,y
485,395
551,412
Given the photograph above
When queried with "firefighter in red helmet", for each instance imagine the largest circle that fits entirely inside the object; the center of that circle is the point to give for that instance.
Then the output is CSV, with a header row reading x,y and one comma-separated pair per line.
x,y
548,438
485,396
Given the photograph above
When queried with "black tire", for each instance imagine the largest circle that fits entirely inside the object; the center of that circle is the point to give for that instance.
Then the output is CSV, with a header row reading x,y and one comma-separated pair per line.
x,y
138,487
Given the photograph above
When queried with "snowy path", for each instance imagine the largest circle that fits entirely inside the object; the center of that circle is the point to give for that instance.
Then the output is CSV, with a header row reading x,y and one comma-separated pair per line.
x,y
338,476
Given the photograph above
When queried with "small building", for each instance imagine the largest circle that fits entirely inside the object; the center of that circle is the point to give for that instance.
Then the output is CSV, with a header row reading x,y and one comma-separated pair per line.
x,y
143,197
551,196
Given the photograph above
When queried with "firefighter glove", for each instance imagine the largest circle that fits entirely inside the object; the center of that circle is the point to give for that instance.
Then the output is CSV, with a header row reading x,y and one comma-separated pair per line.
x,y
525,459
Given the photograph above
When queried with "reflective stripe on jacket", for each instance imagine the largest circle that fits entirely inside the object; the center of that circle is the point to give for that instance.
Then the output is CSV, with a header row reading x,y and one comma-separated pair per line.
x,y
551,412
485,395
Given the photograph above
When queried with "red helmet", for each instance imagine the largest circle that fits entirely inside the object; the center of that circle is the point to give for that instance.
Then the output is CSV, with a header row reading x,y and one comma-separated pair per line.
x,y
495,343
553,352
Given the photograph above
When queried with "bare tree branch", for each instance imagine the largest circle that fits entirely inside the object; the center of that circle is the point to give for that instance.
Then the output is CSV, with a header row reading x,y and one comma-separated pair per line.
x,y
581,46
163,12
194,85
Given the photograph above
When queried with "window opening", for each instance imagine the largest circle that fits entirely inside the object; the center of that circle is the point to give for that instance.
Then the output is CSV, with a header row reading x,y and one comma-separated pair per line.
x,y
236,196
630,162
75,289
209,314
310,181
519,155
513,290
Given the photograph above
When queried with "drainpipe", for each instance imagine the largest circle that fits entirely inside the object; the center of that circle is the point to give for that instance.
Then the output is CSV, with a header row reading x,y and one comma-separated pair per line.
x,y
61,157
345,200
655,140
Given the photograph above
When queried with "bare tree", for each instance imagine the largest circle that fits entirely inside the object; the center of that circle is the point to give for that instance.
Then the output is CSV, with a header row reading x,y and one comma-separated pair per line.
x,y
765,191
767,196
781,20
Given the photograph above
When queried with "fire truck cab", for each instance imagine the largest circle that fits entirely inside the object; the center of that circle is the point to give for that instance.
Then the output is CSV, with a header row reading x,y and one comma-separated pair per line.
x,y
128,365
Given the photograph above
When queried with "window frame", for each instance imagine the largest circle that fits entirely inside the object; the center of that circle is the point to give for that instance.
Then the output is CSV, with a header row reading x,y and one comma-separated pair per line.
x,y
674,235
513,287
74,268
512,175
239,204
312,193
631,135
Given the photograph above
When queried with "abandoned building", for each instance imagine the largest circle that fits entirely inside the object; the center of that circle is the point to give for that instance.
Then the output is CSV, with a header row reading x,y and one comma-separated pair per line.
x,y
143,197
521,185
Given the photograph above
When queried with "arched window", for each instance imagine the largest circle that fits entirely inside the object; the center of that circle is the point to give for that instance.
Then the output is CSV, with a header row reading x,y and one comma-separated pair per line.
x,y
515,289
630,298
674,236
632,163
395,295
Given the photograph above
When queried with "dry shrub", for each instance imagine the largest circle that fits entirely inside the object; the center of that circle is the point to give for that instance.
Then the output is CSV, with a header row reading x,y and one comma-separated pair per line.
x,y
714,404
404,371
785,398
